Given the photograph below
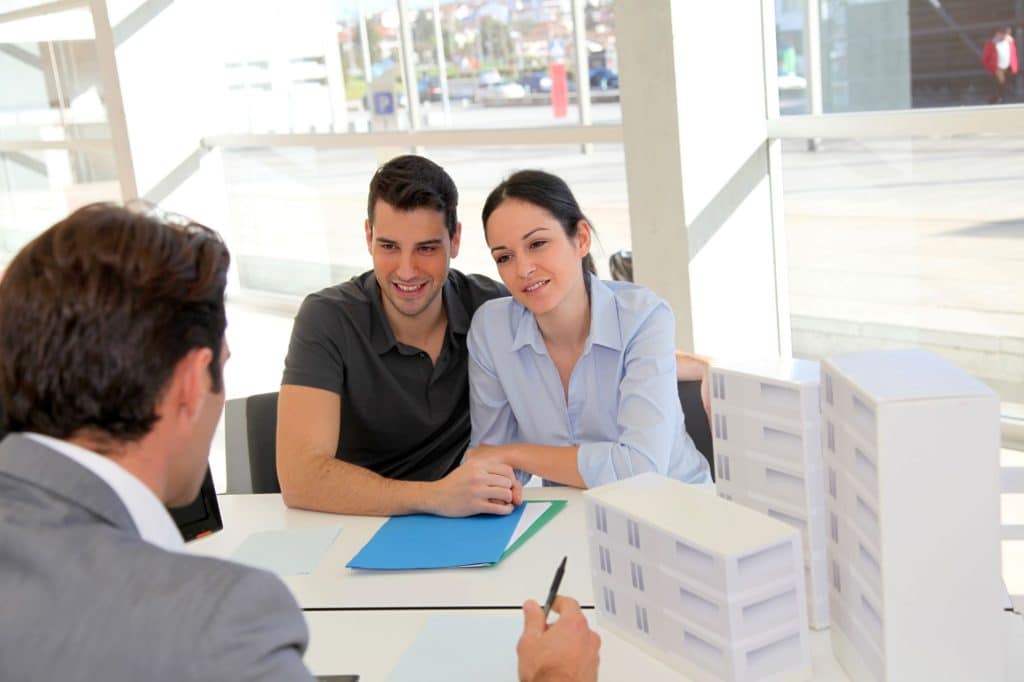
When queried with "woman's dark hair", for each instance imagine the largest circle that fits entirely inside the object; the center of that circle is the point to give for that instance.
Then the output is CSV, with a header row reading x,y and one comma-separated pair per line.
x,y
546,191
410,182
96,312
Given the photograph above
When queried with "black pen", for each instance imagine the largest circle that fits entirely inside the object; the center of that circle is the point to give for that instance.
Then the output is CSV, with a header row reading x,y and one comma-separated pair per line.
x,y
554,587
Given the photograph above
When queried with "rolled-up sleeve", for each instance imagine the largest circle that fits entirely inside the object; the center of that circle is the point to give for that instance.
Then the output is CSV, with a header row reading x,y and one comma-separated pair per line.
x,y
648,397
490,413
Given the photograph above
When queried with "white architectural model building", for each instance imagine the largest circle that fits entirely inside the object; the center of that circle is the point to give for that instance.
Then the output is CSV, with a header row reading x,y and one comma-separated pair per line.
x,y
711,588
1013,526
766,426
911,451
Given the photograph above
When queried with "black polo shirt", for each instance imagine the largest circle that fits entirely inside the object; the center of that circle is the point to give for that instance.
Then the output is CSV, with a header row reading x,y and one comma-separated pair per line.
x,y
401,416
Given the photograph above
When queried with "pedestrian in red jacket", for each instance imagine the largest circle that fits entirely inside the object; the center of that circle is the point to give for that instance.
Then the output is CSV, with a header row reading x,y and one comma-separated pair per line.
x,y
1000,58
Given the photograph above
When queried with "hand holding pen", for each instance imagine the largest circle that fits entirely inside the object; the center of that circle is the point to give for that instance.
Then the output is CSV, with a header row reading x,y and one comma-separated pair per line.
x,y
565,650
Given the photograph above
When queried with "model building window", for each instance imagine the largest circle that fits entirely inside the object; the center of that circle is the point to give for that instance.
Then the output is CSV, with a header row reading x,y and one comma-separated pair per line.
x,y
633,531
832,482
641,619
601,519
835,527
609,600
831,436
636,574
828,390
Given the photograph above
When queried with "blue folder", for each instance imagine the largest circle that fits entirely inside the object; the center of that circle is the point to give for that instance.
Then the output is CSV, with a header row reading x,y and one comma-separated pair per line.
x,y
427,541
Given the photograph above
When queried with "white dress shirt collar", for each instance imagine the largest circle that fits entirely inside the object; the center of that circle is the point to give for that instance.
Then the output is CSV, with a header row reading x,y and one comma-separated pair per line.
x,y
151,518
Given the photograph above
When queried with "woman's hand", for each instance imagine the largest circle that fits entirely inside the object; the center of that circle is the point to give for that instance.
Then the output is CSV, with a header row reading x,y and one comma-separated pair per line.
x,y
495,454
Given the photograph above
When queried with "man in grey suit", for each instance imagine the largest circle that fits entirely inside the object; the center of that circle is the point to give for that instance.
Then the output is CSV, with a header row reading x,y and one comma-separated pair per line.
x,y
111,372
111,355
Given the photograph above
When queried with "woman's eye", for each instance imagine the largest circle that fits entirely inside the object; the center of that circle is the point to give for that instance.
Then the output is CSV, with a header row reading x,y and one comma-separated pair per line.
x,y
502,259
537,244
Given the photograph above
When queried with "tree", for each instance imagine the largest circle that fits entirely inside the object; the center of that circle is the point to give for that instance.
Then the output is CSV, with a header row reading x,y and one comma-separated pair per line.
x,y
423,36
495,41
371,37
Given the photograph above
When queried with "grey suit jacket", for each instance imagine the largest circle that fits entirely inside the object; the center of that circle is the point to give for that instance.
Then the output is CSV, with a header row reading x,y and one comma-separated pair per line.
x,y
83,597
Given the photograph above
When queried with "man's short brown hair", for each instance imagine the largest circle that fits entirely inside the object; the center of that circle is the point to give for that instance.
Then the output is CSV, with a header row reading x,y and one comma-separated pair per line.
x,y
96,312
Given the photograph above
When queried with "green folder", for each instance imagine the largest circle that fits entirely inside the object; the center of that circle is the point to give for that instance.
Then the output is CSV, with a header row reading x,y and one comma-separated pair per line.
x,y
556,506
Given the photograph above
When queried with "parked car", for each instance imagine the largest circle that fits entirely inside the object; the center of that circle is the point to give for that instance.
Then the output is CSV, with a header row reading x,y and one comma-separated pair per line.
x,y
536,81
602,78
430,89
791,81
492,87
500,91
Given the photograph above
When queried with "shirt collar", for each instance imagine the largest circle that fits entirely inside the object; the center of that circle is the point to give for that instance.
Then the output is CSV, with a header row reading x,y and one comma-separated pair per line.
x,y
381,335
151,518
604,323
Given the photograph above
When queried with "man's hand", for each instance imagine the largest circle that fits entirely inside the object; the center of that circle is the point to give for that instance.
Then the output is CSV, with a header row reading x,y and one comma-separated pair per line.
x,y
566,650
478,486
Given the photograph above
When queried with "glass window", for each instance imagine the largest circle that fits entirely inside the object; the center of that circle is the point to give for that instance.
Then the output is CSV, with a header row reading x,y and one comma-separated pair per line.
x,y
497,65
38,188
910,242
896,54
51,90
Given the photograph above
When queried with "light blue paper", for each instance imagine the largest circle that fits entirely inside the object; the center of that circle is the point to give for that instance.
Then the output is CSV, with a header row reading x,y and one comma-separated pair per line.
x,y
290,551
450,648
427,541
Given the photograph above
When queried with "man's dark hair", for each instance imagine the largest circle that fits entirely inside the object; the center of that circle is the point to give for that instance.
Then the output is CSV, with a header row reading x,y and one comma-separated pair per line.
x,y
410,182
96,312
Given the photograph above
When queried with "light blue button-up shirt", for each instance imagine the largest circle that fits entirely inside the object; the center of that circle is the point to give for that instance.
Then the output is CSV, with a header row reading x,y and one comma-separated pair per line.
x,y
623,406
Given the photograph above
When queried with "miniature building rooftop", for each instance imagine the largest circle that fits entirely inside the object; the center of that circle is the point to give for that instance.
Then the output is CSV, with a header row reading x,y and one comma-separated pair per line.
x,y
692,513
913,374
780,369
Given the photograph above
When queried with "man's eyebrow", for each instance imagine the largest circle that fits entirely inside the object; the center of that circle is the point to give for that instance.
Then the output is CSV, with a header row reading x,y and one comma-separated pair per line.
x,y
525,237
426,242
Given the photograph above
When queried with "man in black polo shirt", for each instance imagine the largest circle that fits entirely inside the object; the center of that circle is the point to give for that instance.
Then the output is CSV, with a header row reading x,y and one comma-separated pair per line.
x,y
373,415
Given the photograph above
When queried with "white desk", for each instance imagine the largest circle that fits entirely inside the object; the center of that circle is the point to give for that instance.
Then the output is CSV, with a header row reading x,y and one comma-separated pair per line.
x,y
370,644
525,574
358,639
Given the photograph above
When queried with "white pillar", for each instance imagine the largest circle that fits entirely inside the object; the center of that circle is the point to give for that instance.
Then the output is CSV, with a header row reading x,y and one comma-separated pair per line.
x,y
408,57
442,66
812,55
579,28
697,167
364,41
113,100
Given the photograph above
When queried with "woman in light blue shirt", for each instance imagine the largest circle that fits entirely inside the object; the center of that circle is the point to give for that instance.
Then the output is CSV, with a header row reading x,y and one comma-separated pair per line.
x,y
571,378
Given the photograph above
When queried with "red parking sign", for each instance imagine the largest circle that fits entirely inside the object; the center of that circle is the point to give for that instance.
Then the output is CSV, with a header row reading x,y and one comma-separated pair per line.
x,y
559,90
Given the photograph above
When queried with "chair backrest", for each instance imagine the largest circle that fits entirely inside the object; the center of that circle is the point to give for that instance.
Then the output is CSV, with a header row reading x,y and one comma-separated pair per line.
x,y
697,421
261,430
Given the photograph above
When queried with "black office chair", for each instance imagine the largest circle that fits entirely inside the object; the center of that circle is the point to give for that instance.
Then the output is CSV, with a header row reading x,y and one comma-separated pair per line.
x,y
697,421
261,430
